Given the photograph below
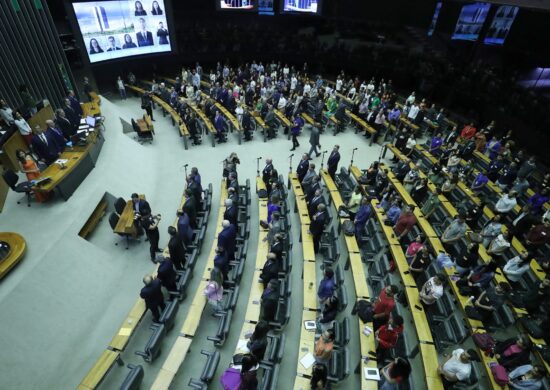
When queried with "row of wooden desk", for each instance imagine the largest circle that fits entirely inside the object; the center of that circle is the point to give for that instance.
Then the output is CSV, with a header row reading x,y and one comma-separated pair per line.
x,y
474,325
367,343
181,346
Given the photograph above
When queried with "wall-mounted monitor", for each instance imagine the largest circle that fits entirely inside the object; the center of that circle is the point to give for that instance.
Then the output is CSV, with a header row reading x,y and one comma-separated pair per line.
x,y
470,21
301,6
431,29
265,7
118,28
242,5
501,25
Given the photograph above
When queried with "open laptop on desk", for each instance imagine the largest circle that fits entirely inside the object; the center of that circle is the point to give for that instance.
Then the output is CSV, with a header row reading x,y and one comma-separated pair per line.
x,y
42,180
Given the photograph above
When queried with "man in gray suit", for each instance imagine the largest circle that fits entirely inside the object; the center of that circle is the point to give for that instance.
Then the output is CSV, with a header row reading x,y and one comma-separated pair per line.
x,y
314,141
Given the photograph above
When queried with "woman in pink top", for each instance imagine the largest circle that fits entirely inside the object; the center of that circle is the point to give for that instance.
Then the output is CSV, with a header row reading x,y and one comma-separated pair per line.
x,y
214,289
413,248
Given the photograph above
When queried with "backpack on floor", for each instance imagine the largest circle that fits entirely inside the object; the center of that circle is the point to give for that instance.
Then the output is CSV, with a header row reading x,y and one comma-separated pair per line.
x,y
364,310
484,341
500,374
231,379
349,228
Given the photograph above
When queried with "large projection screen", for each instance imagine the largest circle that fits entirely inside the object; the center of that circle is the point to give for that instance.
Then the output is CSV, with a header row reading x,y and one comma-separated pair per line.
x,y
118,28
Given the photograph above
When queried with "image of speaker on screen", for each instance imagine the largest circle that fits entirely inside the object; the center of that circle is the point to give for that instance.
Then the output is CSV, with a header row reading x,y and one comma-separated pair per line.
x,y
139,10
162,34
144,37
128,42
95,47
236,4
155,8
300,6
111,40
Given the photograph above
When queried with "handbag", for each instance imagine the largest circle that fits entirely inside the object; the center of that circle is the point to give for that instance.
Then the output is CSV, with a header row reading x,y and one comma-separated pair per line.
x,y
500,374
349,228
484,341
532,327
364,310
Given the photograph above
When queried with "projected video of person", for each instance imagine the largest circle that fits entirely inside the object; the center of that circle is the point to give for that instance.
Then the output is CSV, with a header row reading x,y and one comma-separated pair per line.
x,y
117,29
308,6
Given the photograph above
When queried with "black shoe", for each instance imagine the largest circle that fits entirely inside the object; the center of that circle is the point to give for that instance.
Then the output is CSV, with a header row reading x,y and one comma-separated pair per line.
x,y
318,154
293,149
153,260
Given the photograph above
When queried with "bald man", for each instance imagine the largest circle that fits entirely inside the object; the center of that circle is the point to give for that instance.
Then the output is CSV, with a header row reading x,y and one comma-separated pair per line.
x,y
57,135
152,294
227,239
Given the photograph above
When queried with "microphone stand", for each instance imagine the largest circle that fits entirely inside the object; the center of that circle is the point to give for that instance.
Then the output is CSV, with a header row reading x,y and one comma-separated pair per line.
x,y
323,159
352,154
258,166
289,169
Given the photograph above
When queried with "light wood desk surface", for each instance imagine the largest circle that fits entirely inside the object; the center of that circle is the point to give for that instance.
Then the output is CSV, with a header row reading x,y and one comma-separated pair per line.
x,y
99,370
18,247
286,122
310,285
307,341
359,276
125,224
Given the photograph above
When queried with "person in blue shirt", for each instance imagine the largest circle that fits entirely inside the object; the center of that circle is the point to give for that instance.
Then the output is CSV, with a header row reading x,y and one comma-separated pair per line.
x,y
494,168
493,148
479,182
435,145
394,212
295,130
327,286
361,218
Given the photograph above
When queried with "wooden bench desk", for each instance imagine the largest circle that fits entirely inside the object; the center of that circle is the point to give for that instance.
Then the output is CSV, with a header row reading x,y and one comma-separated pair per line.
x,y
359,276
194,315
125,224
18,247
368,345
128,326
310,285
284,120
364,125
307,342
308,119
100,370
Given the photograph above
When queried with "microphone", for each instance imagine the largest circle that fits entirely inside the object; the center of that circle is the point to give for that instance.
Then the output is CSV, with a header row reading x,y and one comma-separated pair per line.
x,y
355,148
259,158
324,151
186,165
292,155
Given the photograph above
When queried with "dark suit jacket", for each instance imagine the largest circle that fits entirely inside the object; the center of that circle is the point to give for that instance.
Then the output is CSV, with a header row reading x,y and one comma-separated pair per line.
x,y
269,271
268,307
333,161
184,229
66,127
48,152
313,203
310,193
167,274
152,294
231,215
318,224
143,207
177,251
226,239
72,116
302,168
145,40
57,136
196,189
277,249
75,104
190,208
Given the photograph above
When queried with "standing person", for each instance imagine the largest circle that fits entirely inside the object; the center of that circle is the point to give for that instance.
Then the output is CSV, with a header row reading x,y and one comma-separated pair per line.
x,y
327,286
167,275
176,248
214,290
150,224
314,141
324,347
333,160
269,299
44,146
384,305
387,336
227,239
394,373
317,226
295,131
29,167
147,104
266,173
405,222
257,344
121,88
302,167
152,294
432,290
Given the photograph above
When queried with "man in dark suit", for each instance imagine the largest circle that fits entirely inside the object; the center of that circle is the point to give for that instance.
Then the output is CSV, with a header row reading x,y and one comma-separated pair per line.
x,y
152,294
195,189
269,300
232,182
221,261
277,246
333,161
150,223
176,248
315,185
266,173
71,114
75,104
167,274
315,201
190,208
220,127
302,167
184,227
247,124
270,269
270,122
317,225
232,194
44,146
56,135
141,206
231,212
64,124
144,37
227,238
314,141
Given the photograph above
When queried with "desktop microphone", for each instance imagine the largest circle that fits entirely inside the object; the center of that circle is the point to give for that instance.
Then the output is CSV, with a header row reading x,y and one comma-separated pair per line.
x,y
355,148
186,165
292,155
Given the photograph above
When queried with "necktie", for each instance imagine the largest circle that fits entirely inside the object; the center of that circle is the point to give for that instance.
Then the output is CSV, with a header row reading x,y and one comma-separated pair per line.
x,y
44,138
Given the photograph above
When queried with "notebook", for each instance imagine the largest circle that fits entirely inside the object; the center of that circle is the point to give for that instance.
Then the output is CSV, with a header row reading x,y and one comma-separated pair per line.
x,y
371,373
307,361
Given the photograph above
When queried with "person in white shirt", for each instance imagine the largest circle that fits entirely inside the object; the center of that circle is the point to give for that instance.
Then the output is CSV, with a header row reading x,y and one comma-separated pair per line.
x,y
23,127
212,77
121,88
339,83
293,83
352,92
410,100
370,86
286,70
413,112
499,244
517,266
239,113
458,366
307,88
506,203
6,113
282,103
432,290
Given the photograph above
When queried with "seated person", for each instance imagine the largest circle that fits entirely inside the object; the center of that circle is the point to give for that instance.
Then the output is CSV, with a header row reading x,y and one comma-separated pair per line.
x,y
526,377
513,352
257,343
489,301
457,367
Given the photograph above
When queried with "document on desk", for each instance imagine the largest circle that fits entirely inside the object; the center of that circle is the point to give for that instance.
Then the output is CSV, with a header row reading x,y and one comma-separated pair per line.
x,y
307,361
241,346
61,161
371,373
125,331
310,325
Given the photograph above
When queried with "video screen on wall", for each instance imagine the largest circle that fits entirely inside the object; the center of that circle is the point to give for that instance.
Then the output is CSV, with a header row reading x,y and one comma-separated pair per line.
x,y
501,25
117,29
243,5
471,21
265,7
302,6
434,18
